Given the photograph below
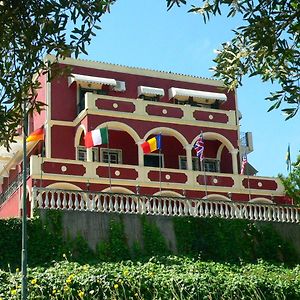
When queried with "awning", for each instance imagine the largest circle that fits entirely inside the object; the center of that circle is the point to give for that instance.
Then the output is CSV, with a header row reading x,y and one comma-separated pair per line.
x,y
150,91
6,157
91,79
198,96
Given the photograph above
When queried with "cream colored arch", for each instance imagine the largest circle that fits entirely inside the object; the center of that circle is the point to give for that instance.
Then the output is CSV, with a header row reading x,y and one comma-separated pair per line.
x,y
216,197
261,200
117,189
78,134
168,131
219,152
216,136
122,127
168,194
64,186
224,141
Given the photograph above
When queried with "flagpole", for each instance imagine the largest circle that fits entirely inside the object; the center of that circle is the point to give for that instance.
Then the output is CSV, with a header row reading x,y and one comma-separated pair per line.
x,y
205,183
109,170
160,160
41,175
24,210
249,189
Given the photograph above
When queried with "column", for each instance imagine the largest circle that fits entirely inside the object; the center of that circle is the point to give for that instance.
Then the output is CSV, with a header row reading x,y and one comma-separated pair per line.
x,y
140,154
89,154
189,162
234,153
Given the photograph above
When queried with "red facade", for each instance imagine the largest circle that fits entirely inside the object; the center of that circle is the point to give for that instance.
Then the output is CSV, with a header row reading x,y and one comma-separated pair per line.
x,y
135,105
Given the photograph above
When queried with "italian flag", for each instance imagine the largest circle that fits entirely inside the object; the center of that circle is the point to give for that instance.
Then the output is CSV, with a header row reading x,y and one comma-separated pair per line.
x,y
96,137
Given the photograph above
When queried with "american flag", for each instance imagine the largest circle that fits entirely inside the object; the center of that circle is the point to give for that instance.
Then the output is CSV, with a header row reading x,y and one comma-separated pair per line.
x,y
199,147
244,163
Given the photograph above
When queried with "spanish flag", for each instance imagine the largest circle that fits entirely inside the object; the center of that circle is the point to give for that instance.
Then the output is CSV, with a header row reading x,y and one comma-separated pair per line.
x,y
37,135
152,144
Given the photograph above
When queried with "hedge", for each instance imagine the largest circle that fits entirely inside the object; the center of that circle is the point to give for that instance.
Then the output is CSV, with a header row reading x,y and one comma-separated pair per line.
x,y
159,278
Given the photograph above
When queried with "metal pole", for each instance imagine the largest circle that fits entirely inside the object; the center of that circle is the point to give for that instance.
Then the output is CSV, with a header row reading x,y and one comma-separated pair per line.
x,y
24,211
205,181
249,188
160,162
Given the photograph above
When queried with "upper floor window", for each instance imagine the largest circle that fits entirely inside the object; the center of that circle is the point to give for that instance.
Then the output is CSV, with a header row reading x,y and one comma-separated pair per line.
x,y
82,153
208,164
211,165
149,98
83,91
154,160
183,163
114,156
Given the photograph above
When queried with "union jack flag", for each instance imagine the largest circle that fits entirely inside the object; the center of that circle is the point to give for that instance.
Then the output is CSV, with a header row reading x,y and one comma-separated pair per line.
x,y
199,147
244,163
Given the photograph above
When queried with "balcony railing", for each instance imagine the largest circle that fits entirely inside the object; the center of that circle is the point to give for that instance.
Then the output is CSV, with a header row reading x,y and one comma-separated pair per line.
x,y
139,108
13,186
98,173
69,200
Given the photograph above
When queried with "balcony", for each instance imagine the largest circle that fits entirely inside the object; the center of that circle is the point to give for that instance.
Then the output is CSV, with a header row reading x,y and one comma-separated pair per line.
x,y
158,111
74,171
100,202
13,187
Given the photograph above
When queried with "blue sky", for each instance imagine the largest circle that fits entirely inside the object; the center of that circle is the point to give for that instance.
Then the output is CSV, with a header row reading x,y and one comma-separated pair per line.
x,y
144,34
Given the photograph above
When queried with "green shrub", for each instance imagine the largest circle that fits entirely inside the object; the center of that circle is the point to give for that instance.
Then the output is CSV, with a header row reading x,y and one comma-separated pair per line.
x,y
210,239
158,278
231,240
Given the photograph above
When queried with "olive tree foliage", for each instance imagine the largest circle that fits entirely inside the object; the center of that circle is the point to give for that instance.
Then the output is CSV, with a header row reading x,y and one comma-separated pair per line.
x,y
267,45
31,29
292,182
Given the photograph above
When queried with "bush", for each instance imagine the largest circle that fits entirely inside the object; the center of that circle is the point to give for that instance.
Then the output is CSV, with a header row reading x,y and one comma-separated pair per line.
x,y
158,278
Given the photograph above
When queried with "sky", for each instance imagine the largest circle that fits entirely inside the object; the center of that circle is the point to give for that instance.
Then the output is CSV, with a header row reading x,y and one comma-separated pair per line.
x,y
144,34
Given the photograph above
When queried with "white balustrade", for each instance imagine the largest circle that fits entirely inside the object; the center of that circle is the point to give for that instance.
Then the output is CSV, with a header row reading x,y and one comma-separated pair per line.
x,y
44,198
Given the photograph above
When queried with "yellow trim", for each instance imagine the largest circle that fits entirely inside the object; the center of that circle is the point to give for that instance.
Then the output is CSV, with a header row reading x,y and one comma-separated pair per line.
x,y
144,181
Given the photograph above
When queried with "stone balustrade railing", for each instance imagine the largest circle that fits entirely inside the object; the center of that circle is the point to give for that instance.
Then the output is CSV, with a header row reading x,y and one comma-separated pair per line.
x,y
43,198
97,172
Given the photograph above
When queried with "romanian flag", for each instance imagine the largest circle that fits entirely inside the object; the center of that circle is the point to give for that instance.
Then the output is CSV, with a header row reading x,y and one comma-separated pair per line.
x,y
37,135
96,137
152,144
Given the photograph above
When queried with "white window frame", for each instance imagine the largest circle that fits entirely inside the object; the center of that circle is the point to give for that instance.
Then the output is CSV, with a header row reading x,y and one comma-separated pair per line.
x,y
117,152
83,150
183,160
156,154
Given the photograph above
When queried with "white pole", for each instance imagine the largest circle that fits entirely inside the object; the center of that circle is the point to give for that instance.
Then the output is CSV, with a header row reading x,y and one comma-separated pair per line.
x,y
160,160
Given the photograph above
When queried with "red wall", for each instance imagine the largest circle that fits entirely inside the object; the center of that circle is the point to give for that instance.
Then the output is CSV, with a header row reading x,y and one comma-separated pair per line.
x,y
10,208
226,161
62,142
64,97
